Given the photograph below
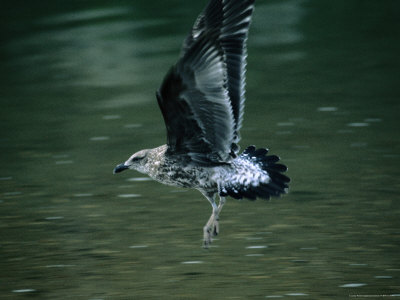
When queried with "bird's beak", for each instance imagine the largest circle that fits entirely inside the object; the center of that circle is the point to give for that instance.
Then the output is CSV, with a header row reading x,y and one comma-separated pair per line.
x,y
119,168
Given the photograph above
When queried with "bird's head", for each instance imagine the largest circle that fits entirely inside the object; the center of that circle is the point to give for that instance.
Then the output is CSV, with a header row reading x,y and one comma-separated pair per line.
x,y
136,162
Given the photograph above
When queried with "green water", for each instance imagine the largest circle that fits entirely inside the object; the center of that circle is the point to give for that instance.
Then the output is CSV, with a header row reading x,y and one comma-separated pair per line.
x,y
78,83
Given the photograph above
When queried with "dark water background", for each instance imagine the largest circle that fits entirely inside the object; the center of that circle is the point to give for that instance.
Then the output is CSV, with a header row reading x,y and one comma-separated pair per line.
x,y
77,97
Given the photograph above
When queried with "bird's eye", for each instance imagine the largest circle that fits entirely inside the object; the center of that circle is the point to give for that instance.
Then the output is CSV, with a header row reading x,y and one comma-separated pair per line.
x,y
137,158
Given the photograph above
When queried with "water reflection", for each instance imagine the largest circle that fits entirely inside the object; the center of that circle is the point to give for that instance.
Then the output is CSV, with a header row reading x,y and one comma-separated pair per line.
x,y
277,24
85,16
87,48
78,88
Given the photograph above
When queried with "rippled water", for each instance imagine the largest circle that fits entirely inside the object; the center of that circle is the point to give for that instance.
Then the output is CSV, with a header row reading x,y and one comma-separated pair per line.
x,y
77,97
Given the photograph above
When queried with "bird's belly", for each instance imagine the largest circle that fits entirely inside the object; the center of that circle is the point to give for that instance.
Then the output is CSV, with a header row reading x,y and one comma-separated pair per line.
x,y
189,177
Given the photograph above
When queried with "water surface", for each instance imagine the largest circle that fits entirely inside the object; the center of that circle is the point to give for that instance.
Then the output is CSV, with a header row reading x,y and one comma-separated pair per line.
x,y
78,81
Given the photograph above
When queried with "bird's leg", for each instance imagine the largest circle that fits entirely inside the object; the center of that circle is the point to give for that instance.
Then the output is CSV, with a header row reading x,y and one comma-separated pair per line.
x,y
221,203
211,227
219,208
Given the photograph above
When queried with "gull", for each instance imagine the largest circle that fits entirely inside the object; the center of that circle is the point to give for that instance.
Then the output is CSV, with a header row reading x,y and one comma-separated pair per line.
x,y
202,101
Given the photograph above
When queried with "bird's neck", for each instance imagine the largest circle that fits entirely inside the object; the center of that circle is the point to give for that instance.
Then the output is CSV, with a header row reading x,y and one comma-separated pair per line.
x,y
155,159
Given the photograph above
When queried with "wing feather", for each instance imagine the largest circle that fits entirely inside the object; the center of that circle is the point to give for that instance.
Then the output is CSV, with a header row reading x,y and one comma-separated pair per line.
x,y
202,97
194,101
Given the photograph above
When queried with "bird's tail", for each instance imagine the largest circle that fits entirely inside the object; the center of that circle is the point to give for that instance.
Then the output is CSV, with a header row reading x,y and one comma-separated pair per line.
x,y
259,175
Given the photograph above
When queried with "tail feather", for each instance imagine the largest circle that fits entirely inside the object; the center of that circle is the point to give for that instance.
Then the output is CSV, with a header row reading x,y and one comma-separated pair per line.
x,y
270,159
260,152
263,178
275,167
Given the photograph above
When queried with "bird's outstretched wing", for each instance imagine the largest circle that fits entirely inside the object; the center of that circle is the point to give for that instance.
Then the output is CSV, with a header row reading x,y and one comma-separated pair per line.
x,y
230,19
202,96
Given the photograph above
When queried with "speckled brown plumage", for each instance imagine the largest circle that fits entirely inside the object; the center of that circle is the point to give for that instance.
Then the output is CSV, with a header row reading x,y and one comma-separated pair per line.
x,y
202,102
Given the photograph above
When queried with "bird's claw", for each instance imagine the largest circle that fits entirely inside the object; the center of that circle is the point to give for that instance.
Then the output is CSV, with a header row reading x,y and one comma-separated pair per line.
x,y
210,232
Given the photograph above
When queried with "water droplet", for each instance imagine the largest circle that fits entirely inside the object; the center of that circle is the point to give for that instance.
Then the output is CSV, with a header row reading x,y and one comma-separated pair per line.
x,y
383,277
133,125
129,195
139,179
55,218
296,294
138,246
254,255
24,291
192,262
352,285
358,124
257,247
373,120
327,108
83,195
99,138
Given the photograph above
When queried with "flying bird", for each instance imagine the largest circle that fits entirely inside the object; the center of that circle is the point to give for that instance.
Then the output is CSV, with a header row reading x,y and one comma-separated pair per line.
x,y
202,102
